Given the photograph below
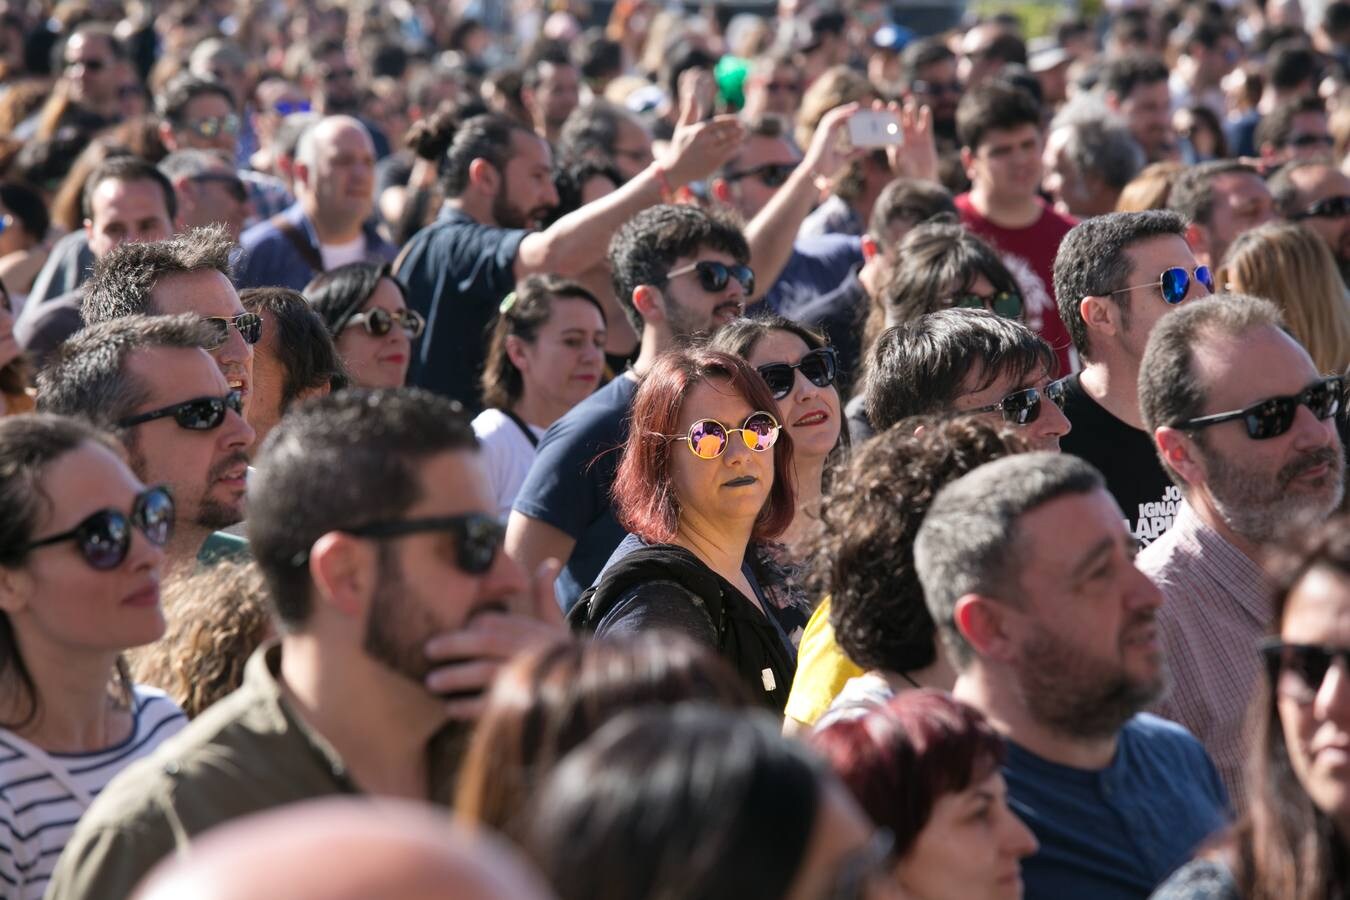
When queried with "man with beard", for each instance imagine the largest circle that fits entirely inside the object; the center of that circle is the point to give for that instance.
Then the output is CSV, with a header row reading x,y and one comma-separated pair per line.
x,y
928,73
497,176
1245,478
370,523
1317,195
149,380
1029,574
329,223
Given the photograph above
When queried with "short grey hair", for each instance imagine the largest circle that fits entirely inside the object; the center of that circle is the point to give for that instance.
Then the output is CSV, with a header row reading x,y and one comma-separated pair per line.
x,y
969,539
1100,144
1170,390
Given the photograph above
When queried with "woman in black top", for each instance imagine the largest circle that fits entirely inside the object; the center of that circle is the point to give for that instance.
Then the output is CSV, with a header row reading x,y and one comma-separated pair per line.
x,y
706,471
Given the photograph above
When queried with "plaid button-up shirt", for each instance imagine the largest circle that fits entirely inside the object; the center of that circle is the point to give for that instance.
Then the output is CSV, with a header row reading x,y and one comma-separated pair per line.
x,y
1217,607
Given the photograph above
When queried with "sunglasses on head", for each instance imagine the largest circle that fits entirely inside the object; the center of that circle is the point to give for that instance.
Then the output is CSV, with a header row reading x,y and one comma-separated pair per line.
x,y
201,414
770,174
478,536
1326,208
249,326
708,438
379,322
713,277
1024,407
1175,283
104,538
215,125
1272,418
819,367
1297,671
1007,304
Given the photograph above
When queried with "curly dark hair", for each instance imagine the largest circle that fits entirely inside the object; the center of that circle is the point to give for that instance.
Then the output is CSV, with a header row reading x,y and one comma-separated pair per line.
x,y
864,552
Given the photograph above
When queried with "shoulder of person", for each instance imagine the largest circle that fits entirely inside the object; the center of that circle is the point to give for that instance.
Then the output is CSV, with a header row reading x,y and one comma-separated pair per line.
x,y
602,414
1199,879
1172,738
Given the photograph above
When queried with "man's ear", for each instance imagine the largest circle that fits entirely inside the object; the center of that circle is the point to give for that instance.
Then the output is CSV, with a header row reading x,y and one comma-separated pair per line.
x,y
1177,448
721,190
484,176
981,621
300,172
167,137
1100,314
345,572
967,158
650,303
1197,237
869,248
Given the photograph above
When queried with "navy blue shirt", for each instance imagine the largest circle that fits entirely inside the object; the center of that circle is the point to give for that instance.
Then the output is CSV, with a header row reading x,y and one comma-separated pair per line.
x,y
1120,832
272,260
457,272
569,482
818,266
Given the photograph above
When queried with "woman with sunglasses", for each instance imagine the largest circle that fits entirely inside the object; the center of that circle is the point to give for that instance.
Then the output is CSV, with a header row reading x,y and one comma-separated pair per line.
x,y
546,355
706,472
1294,841
14,396
81,549
927,768
366,310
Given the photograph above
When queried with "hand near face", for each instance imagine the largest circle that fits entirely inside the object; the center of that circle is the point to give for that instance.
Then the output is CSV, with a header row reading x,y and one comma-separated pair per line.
x,y
699,148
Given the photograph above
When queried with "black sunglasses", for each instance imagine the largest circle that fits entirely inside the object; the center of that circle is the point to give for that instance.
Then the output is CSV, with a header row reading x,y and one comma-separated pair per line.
x,y
1272,418
936,88
1326,208
770,174
104,538
1311,140
379,322
249,325
819,366
1006,304
1306,664
478,536
1024,407
200,414
714,276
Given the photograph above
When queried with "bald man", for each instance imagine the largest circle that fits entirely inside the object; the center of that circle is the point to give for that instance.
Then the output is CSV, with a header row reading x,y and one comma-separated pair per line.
x,y
328,225
345,849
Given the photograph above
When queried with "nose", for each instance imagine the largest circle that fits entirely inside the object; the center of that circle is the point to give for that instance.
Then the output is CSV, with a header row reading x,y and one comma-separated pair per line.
x,y
1052,423
551,197
235,349
238,433
1145,594
1311,432
144,555
1018,839
506,581
1333,697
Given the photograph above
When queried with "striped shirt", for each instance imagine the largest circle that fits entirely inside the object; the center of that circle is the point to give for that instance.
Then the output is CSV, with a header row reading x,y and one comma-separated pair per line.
x,y
1217,607
43,795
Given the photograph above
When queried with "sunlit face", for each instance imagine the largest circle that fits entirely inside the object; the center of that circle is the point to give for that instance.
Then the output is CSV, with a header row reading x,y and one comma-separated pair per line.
x,y
209,293
557,94
809,412
1319,183
1008,162
1241,202
970,848
733,487
748,194
1050,424
689,308
123,212
344,176
377,361
567,357
1145,305
89,70
526,193
1148,112
208,112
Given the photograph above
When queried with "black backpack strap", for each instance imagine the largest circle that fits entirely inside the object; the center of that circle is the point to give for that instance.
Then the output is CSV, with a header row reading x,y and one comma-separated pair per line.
x,y
661,562
520,423
299,240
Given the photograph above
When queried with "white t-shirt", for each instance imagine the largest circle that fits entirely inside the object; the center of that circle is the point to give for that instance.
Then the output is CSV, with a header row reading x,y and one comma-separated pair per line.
x,y
507,455
43,795
335,255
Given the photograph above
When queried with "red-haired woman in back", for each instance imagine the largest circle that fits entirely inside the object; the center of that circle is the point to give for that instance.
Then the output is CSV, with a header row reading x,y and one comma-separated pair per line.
x,y
706,471
926,767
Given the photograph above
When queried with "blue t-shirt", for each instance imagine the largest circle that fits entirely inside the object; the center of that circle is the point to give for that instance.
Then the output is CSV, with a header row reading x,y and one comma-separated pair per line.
x,y
457,272
817,266
569,482
1120,832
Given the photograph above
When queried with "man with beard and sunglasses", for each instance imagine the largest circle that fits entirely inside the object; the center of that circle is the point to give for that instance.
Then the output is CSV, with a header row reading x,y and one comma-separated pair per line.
x,y
1316,194
1246,427
382,556
497,175
1029,573
150,381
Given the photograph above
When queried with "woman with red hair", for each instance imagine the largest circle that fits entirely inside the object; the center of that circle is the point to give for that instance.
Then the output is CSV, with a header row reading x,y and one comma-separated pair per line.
x,y
925,766
706,471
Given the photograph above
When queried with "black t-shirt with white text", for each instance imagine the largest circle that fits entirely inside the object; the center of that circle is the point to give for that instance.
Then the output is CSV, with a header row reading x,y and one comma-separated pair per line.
x,y
1127,459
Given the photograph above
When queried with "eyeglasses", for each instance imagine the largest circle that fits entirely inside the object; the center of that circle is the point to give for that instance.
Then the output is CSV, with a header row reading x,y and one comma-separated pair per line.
x,y
1024,407
708,438
714,276
201,414
819,366
1175,283
215,125
1310,140
287,107
1007,304
935,88
1272,418
249,326
1297,671
104,538
478,536
859,870
1326,208
232,184
770,174
379,322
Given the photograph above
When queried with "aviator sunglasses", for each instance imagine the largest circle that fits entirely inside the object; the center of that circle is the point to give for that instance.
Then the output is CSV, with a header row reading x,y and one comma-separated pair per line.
x,y
1024,407
819,366
714,276
1326,208
477,536
104,538
1174,283
709,438
200,414
249,324
1272,418
1297,670
379,322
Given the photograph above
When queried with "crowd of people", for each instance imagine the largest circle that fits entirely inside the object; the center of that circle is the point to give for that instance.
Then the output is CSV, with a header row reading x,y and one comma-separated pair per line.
x,y
512,449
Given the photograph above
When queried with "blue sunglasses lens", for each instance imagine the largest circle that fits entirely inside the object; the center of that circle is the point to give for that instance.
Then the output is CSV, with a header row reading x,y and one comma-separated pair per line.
x,y
1203,276
1174,285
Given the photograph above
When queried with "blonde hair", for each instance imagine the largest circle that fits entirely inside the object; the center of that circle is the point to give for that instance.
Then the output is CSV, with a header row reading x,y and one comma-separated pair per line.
x,y
837,86
1291,266
1150,188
